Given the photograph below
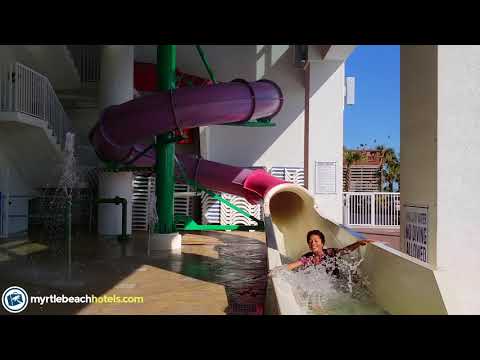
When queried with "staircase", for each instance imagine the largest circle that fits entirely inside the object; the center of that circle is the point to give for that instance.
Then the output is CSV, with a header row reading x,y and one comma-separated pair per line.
x,y
30,94
33,124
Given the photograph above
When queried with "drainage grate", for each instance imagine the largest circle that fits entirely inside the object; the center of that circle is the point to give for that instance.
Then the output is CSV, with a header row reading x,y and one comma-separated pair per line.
x,y
245,309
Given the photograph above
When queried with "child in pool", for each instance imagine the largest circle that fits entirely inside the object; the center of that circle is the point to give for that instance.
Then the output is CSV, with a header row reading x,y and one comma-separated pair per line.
x,y
320,255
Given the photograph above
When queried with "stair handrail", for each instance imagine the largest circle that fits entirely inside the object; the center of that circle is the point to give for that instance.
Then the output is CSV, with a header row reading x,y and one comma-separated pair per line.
x,y
25,90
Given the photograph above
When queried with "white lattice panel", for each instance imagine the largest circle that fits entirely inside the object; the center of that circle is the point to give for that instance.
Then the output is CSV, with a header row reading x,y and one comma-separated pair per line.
x,y
229,216
294,175
183,205
144,193
210,210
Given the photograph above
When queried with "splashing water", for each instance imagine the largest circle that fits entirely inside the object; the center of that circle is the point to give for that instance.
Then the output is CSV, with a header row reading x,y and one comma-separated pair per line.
x,y
319,292
70,175
54,201
152,217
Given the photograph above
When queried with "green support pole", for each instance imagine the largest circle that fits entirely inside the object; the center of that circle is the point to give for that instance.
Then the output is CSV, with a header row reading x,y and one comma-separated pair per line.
x,y
165,146
205,63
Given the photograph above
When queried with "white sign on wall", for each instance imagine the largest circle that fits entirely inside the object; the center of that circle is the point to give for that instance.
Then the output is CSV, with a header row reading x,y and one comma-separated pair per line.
x,y
416,232
325,177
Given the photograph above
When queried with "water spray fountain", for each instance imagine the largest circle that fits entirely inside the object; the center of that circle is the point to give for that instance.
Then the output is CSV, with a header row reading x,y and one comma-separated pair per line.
x,y
57,208
152,219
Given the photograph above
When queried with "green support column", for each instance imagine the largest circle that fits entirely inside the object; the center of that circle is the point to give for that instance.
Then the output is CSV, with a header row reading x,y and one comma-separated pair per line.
x,y
165,147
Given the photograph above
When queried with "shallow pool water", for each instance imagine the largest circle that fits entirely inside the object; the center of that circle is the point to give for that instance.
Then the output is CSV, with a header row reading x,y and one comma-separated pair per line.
x,y
348,306
320,293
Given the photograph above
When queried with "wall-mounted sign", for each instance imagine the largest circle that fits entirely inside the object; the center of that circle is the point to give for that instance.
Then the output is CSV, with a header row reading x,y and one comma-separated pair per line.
x,y
325,177
416,232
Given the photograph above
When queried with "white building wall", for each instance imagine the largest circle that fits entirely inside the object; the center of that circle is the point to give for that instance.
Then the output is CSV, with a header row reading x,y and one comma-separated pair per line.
x,y
440,88
326,105
418,131
15,185
82,121
458,171
53,61
7,55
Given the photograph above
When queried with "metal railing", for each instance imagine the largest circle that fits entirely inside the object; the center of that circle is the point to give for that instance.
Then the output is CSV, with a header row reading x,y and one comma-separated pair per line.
x,y
29,92
87,61
371,209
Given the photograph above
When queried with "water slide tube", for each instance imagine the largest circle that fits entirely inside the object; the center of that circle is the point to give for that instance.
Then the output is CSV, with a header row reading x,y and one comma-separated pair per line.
x,y
289,210
119,134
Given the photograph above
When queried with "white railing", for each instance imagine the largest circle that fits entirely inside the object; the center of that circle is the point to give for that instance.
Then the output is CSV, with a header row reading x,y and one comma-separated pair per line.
x,y
87,61
371,209
25,90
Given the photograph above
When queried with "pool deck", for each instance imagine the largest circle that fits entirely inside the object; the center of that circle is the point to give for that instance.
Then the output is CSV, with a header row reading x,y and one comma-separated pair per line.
x,y
216,273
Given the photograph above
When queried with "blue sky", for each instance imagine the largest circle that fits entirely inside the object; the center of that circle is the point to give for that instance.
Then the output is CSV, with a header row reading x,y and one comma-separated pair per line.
x,y
376,112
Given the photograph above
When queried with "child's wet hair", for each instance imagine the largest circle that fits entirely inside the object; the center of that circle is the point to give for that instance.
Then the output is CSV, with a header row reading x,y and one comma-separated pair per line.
x,y
316,232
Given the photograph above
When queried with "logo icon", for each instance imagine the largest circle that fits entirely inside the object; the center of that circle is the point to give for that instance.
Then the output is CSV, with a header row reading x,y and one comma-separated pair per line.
x,y
15,299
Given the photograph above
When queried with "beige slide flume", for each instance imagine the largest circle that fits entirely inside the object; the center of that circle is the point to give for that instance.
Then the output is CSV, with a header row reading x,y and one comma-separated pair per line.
x,y
400,283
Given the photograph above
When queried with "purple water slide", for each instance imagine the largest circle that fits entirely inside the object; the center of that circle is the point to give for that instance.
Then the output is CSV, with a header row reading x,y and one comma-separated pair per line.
x,y
248,183
121,129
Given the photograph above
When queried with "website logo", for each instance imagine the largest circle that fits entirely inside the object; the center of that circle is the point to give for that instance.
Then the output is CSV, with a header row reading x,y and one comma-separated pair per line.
x,y
14,299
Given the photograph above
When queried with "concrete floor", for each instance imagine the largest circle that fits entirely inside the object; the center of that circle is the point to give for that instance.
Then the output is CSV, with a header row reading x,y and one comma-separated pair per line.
x,y
216,273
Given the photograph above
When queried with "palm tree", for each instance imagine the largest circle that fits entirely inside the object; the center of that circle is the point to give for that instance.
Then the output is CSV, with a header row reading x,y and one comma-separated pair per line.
x,y
391,174
388,154
350,157
389,167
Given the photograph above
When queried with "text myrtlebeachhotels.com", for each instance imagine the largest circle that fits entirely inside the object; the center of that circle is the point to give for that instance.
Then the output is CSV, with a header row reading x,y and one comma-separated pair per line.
x,y
15,299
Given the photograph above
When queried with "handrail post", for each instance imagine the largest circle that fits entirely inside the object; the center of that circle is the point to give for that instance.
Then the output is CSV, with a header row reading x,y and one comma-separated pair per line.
x,y
348,209
372,204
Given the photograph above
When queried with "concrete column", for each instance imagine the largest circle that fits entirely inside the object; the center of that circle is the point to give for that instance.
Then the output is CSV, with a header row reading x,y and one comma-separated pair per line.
x,y
116,87
324,131
440,112
116,78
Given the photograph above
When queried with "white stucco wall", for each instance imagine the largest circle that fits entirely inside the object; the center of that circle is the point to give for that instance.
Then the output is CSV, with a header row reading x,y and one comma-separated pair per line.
x,y
440,88
82,121
458,150
15,184
6,54
53,61
418,131
326,106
